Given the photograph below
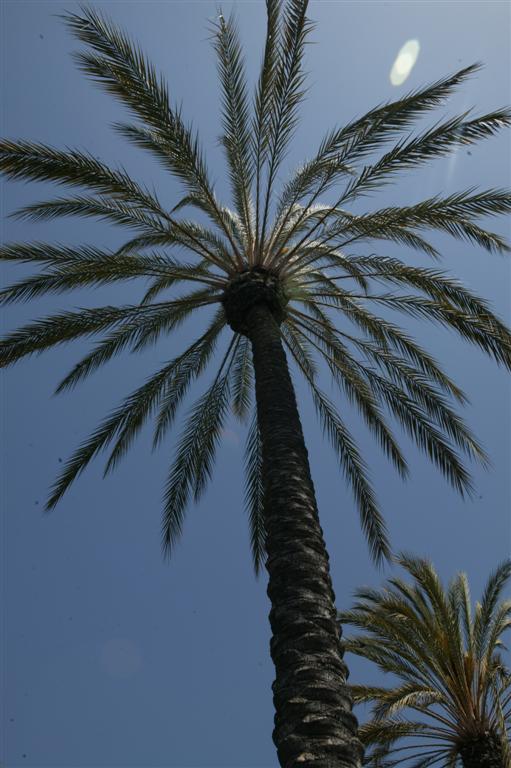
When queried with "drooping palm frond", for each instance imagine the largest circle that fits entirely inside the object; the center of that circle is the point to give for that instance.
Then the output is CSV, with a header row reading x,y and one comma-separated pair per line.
x,y
354,467
145,322
80,267
338,307
124,423
195,452
254,495
452,689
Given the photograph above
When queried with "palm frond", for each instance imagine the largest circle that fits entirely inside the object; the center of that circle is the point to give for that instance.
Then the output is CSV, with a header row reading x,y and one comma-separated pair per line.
x,y
195,452
242,383
57,329
100,207
435,142
299,348
354,469
424,433
361,137
484,330
125,422
121,68
356,474
187,367
418,387
264,101
288,93
489,601
345,373
235,114
452,215
87,267
424,634
29,160
254,495
368,133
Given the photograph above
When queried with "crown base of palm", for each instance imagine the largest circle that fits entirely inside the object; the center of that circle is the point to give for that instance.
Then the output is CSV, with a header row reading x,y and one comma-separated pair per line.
x,y
249,288
484,751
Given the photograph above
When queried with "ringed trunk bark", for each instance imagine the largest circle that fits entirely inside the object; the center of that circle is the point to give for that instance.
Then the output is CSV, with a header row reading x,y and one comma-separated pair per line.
x,y
314,726
486,751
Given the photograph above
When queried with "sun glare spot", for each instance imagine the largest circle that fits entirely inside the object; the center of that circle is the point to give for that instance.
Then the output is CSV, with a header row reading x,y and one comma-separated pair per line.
x,y
405,61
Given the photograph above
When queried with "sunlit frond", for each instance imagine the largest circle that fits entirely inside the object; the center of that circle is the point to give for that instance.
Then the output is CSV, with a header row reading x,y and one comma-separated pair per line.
x,y
424,634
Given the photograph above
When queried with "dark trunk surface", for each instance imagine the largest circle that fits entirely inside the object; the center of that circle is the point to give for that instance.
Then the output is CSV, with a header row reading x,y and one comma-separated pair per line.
x,y
485,751
314,725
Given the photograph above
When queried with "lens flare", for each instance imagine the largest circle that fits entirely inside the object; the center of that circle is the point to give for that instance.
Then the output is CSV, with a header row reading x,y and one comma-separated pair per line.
x,y
405,61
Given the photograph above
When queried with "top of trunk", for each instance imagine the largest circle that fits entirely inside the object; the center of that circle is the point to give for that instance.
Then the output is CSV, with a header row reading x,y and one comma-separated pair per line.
x,y
251,287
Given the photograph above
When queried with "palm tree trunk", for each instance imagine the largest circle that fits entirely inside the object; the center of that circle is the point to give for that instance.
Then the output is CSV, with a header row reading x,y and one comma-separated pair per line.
x,y
314,725
484,752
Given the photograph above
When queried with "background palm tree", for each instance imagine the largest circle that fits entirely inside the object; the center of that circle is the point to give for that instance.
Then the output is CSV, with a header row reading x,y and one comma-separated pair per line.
x,y
451,703
277,269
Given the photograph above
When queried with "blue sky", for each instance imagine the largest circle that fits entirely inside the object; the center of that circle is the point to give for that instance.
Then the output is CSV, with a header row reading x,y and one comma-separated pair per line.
x,y
113,657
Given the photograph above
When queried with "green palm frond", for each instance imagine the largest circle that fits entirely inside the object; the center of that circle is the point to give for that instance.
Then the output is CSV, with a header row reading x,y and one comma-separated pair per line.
x,y
149,322
264,101
195,452
363,136
489,601
356,474
435,142
121,68
242,379
452,215
187,367
345,373
38,162
429,638
102,269
387,122
235,114
254,495
300,349
124,423
100,207
288,92
353,467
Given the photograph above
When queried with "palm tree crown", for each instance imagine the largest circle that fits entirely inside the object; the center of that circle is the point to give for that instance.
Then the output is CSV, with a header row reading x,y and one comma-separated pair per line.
x,y
452,698
286,247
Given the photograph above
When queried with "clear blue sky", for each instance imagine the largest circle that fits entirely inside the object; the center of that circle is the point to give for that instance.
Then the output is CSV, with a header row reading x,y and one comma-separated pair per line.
x,y
113,657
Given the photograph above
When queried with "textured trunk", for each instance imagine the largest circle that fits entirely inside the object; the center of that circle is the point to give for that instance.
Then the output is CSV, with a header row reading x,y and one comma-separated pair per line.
x,y
486,751
314,726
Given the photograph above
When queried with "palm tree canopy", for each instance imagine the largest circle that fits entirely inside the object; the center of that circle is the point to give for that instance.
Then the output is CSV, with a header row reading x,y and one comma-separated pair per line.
x,y
453,688
313,262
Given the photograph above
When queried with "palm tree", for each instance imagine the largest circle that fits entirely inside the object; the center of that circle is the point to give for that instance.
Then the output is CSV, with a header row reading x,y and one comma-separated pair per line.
x,y
274,276
452,684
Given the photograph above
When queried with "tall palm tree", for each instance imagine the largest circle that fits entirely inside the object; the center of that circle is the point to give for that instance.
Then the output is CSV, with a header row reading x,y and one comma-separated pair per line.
x,y
451,703
274,276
